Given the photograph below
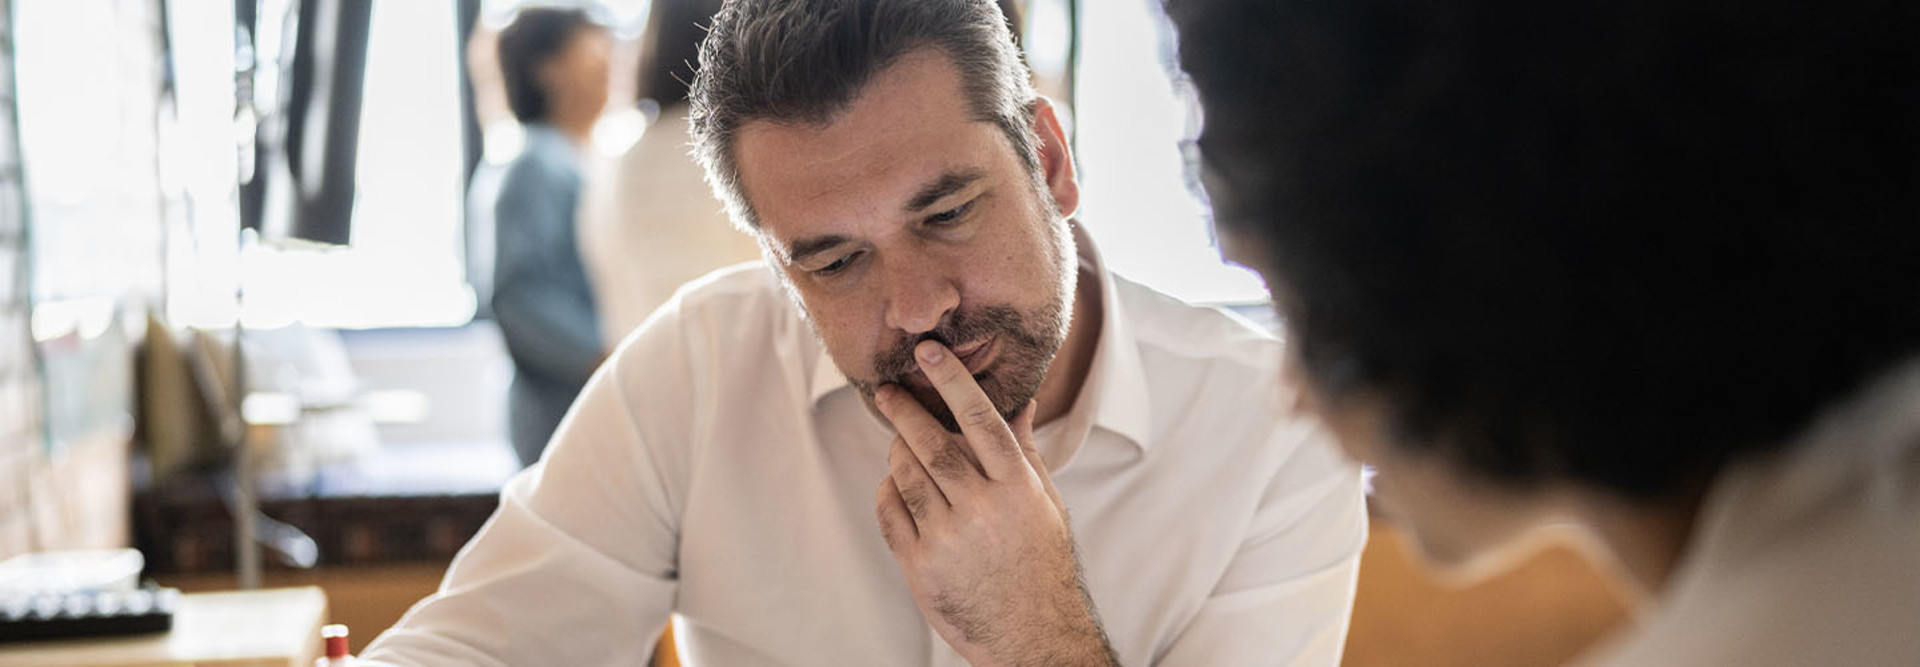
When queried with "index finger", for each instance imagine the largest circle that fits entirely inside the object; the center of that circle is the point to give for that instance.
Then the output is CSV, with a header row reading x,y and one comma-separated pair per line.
x,y
949,463
992,440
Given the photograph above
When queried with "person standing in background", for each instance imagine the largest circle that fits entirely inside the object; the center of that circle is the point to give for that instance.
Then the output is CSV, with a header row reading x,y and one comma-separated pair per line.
x,y
553,63
657,225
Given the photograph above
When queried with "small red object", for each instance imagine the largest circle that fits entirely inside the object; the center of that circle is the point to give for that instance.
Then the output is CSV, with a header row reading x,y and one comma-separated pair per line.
x,y
336,637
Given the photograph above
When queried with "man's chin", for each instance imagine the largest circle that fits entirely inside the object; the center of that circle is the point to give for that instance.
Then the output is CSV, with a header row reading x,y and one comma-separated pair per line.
x,y
930,399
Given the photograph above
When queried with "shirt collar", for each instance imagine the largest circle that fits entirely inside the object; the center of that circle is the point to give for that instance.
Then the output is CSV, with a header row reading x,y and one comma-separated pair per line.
x,y
1116,386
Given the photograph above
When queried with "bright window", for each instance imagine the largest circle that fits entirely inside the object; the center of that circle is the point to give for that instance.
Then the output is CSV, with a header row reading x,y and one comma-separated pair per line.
x,y
1135,126
406,262
405,266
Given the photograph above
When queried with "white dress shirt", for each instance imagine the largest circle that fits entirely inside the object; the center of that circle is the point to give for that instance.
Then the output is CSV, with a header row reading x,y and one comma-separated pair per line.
x,y
720,468
1808,557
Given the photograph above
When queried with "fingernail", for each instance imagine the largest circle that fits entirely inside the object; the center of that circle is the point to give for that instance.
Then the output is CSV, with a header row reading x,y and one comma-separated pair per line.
x,y
931,352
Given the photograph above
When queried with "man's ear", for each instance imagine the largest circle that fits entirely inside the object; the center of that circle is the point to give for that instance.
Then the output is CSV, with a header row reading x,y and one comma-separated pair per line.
x,y
1056,160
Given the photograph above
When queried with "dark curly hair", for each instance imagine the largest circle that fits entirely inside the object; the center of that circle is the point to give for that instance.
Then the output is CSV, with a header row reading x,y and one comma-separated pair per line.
x,y
1614,242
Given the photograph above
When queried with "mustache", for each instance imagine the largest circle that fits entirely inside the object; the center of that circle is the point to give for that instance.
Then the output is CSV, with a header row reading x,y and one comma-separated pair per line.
x,y
963,327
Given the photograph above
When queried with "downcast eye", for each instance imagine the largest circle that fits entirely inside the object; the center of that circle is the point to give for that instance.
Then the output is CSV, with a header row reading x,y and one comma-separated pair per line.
x,y
949,216
837,265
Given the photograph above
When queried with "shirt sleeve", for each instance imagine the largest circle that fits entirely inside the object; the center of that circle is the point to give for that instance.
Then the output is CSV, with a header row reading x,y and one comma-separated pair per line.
x,y
547,318
578,566
1287,596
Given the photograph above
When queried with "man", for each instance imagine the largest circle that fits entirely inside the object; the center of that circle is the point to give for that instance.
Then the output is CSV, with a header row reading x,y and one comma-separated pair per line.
x,y
928,295
1643,268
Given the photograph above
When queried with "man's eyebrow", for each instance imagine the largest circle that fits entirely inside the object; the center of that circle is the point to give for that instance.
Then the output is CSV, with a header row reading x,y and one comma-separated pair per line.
x,y
814,245
947,184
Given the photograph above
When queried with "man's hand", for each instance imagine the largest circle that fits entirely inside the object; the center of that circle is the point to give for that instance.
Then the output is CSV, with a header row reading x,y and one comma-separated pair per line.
x,y
975,522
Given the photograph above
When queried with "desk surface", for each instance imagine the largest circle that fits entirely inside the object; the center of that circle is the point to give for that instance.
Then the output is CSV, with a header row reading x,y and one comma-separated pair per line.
x,y
266,628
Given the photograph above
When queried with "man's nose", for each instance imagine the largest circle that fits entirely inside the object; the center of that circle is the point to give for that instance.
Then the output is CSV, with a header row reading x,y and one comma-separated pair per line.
x,y
918,297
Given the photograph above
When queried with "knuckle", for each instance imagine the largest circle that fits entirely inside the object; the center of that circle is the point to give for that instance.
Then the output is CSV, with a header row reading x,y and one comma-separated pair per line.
x,y
981,412
902,469
931,433
916,504
950,462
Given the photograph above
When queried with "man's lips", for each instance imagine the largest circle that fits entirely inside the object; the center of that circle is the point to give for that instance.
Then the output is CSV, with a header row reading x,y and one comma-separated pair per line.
x,y
975,354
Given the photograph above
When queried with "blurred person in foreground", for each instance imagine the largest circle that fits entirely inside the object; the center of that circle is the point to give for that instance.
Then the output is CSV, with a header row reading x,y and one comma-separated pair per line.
x,y
933,339
1651,269
553,64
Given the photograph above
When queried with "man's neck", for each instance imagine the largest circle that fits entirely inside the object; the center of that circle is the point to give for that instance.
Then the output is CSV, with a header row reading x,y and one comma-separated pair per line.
x,y
1070,368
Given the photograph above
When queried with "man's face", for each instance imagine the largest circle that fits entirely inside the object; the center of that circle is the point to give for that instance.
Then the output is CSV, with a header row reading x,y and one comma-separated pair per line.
x,y
905,219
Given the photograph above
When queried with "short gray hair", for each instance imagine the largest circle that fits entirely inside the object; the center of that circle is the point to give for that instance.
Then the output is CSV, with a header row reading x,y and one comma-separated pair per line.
x,y
805,61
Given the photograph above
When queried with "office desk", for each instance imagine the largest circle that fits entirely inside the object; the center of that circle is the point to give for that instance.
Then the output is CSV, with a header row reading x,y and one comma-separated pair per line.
x,y
264,628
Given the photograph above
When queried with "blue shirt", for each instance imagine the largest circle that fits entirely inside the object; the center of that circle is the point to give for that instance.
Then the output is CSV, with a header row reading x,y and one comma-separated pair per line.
x,y
541,297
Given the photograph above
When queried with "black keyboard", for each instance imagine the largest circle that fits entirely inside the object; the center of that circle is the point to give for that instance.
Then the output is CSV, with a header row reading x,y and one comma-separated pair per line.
x,y
74,615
